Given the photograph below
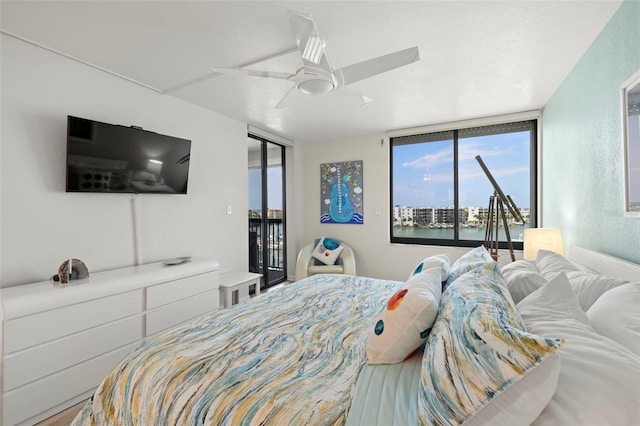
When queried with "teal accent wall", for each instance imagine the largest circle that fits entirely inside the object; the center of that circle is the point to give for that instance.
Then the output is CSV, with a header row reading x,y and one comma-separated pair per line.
x,y
582,151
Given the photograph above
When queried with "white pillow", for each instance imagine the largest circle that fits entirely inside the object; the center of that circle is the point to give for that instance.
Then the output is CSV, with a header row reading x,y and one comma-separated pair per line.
x,y
551,264
522,278
555,295
589,287
439,260
586,285
327,250
406,320
598,382
616,314
519,265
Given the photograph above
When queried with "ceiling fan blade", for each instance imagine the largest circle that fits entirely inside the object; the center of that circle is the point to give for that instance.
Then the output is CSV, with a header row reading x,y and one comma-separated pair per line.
x,y
310,44
254,73
369,68
287,98
353,97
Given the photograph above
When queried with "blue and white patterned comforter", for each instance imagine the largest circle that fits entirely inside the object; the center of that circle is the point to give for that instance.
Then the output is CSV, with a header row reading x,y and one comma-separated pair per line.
x,y
291,356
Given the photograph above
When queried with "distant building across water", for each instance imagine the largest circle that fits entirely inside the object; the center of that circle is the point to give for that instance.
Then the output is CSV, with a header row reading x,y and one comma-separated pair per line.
x,y
444,217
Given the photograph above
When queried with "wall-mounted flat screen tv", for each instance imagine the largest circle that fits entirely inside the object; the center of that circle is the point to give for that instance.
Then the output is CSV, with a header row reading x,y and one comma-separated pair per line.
x,y
111,158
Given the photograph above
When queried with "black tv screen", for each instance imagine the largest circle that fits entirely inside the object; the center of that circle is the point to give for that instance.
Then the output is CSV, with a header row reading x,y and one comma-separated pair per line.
x,y
105,157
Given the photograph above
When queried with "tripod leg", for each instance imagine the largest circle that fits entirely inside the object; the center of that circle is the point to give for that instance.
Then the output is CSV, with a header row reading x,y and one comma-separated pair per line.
x,y
491,238
506,230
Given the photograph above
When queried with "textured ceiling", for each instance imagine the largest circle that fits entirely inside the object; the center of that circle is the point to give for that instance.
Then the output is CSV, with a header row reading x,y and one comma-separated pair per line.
x,y
478,58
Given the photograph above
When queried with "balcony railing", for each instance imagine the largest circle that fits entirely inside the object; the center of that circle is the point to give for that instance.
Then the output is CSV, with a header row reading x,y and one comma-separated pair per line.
x,y
275,247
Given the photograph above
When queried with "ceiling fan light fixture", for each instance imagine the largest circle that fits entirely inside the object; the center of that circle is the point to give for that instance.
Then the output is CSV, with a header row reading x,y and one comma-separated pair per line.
x,y
316,86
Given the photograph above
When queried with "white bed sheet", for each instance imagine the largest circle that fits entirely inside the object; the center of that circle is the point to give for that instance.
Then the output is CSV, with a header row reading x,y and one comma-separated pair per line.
x,y
387,394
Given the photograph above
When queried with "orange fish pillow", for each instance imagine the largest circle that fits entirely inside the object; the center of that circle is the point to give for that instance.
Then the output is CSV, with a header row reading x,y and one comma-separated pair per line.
x,y
439,260
405,322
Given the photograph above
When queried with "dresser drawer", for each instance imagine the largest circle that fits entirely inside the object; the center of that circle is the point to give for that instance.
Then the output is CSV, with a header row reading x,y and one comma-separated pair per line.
x,y
168,316
162,294
37,397
40,361
21,333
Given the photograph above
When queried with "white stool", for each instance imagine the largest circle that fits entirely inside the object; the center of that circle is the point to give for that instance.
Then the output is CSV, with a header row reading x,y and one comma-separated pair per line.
x,y
235,285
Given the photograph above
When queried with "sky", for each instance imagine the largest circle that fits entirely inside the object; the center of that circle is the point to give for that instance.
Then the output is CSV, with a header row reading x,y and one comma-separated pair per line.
x,y
423,173
274,190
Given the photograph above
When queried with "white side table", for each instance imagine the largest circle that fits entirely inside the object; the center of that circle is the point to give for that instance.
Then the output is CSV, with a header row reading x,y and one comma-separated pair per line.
x,y
234,287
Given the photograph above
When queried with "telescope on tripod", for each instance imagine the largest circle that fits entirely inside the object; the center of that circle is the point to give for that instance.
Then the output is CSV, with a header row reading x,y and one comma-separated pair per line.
x,y
496,214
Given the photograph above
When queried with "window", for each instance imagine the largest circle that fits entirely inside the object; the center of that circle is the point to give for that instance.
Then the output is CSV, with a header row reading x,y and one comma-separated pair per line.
x,y
440,194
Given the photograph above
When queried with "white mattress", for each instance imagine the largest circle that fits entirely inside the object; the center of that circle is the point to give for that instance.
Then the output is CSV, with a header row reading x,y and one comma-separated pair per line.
x,y
387,394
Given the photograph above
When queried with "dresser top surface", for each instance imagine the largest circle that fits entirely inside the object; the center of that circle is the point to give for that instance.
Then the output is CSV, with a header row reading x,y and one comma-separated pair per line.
x,y
25,299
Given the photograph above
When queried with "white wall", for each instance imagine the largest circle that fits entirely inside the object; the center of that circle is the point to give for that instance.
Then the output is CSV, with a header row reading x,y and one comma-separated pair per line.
x,y
41,225
375,255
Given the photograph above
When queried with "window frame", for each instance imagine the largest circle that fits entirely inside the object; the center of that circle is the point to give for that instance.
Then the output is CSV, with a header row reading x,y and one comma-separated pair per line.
x,y
455,127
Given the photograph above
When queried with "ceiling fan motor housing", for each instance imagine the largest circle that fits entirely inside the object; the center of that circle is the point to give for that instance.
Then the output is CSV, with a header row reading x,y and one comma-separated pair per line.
x,y
315,86
314,81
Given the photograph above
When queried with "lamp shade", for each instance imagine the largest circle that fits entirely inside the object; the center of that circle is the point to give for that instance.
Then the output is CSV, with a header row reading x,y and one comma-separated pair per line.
x,y
542,239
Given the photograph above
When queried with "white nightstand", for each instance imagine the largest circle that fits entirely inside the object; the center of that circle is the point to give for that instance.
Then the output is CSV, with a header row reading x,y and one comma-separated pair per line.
x,y
234,287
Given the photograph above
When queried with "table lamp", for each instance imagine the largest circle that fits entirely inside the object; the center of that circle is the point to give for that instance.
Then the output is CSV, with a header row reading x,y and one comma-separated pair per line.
x,y
542,239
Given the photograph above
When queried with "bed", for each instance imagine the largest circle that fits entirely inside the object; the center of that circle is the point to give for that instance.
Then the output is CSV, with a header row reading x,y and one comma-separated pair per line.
x,y
550,341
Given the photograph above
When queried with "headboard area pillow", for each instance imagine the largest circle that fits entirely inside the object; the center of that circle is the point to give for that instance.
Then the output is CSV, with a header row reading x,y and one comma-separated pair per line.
x,y
479,352
598,382
587,286
616,314
523,278
550,264
472,259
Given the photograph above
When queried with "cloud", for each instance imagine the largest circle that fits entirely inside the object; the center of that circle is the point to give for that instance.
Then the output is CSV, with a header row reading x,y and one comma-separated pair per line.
x,y
430,160
505,165
468,151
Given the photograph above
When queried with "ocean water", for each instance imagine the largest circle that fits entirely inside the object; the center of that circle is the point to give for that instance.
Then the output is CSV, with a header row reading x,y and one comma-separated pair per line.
x,y
516,232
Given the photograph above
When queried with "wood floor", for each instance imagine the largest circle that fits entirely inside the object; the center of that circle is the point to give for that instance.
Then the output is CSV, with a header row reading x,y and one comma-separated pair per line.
x,y
63,418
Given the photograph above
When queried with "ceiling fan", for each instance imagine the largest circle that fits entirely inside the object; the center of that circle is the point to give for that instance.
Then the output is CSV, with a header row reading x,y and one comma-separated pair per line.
x,y
316,76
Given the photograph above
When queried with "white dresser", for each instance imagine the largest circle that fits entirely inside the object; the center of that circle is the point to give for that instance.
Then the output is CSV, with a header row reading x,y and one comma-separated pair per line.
x,y
58,343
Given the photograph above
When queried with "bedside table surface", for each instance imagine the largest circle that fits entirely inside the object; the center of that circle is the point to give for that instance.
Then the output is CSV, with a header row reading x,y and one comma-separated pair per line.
x,y
234,278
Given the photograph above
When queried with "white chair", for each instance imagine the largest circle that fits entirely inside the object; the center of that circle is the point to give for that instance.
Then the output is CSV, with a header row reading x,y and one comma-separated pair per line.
x,y
306,264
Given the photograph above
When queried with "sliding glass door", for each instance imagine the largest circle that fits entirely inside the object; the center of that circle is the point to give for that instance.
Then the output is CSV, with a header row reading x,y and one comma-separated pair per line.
x,y
267,231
